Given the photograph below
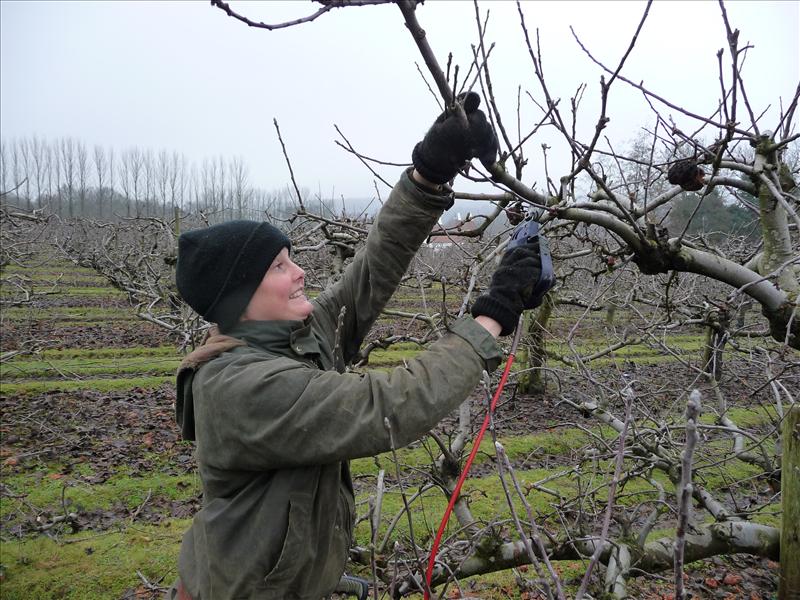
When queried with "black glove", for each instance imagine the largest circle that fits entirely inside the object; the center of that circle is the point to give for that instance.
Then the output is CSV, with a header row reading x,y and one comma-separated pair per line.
x,y
512,288
449,144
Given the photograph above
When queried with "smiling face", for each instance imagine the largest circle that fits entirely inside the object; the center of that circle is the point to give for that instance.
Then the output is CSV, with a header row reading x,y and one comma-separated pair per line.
x,y
279,296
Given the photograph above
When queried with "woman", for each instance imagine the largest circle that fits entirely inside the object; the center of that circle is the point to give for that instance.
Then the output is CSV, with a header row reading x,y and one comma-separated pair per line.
x,y
275,423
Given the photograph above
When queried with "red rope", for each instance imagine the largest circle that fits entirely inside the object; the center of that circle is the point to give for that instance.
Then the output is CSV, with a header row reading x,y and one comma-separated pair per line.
x,y
467,465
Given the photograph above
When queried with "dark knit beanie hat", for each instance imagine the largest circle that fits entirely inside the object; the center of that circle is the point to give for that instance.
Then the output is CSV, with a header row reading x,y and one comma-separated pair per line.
x,y
220,267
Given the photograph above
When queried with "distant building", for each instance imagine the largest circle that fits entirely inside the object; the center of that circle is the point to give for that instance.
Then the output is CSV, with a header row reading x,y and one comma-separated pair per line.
x,y
441,236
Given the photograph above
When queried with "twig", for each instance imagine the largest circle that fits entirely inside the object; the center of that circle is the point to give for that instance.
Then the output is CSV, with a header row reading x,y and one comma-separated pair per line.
x,y
289,164
363,158
338,352
627,395
388,426
685,491
733,39
396,519
430,89
141,506
502,464
494,114
604,89
648,93
375,522
650,522
501,453
328,5
153,586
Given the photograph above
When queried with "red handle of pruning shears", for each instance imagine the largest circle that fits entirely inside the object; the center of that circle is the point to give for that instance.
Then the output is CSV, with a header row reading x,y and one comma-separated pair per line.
x,y
468,464
527,231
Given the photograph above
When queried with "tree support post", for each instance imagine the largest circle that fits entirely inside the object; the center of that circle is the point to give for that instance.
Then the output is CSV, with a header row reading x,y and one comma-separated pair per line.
x,y
789,585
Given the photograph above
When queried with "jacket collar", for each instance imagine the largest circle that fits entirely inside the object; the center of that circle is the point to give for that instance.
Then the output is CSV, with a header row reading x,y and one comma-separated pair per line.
x,y
288,338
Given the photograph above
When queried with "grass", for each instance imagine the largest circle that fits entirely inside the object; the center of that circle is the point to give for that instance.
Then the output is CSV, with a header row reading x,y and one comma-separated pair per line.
x,y
46,266
69,385
557,442
125,368
640,354
68,314
46,491
66,291
743,417
394,355
86,353
141,365
87,566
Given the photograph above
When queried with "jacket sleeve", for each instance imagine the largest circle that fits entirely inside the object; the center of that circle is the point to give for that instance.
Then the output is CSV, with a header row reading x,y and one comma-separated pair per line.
x,y
257,413
369,281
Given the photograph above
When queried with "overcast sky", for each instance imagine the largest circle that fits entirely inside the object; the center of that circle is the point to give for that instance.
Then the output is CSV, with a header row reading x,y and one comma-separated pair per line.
x,y
183,76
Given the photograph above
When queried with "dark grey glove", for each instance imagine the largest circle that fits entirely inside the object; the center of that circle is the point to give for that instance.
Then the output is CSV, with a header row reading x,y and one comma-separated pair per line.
x,y
449,143
512,288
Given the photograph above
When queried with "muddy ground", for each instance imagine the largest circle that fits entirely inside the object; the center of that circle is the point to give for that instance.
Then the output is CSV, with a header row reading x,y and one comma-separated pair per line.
x,y
90,434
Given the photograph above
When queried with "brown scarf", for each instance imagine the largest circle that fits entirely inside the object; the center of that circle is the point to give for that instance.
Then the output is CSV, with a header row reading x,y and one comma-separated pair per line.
x,y
213,345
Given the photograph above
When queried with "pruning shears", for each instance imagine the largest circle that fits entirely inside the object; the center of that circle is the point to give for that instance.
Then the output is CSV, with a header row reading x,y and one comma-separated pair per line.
x,y
527,231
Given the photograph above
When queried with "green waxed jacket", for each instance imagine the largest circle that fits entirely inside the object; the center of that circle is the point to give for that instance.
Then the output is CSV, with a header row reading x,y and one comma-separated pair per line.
x,y
275,423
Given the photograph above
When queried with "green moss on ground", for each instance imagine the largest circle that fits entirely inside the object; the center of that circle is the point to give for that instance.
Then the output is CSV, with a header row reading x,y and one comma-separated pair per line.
x,y
743,418
68,314
98,385
104,292
394,355
91,566
555,442
47,265
639,354
487,502
108,352
732,472
46,280
97,566
141,365
687,346
46,491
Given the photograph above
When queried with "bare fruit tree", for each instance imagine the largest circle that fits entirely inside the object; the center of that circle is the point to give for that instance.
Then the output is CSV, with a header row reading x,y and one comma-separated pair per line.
x,y
686,230
620,243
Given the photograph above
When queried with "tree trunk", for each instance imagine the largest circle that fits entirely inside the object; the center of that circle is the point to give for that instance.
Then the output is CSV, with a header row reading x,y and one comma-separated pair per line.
x,y
775,225
532,381
611,314
716,337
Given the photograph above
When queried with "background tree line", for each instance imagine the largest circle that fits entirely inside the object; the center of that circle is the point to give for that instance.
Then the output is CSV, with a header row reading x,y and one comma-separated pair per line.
x,y
68,178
